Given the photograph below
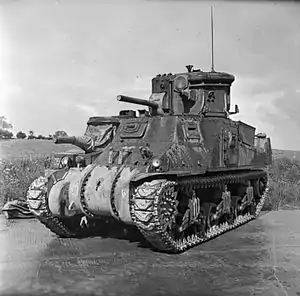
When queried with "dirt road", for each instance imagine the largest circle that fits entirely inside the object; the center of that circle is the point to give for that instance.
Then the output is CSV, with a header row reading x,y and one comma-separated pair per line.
x,y
260,258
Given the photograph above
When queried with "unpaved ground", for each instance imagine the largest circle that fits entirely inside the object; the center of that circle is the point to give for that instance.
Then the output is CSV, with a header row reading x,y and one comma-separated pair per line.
x,y
260,258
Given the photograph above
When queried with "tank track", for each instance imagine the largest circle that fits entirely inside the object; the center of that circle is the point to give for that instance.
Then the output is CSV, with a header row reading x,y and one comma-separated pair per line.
x,y
146,197
38,203
143,208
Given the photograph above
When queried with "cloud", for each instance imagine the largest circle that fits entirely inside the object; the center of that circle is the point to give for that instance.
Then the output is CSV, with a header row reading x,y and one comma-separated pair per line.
x,y
141,86
68,60
7,2
254,105
289,105
285,122
90,111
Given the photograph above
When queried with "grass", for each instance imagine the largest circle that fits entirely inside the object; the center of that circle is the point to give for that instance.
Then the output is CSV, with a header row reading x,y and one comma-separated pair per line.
x,y
18,174
23,148
23,164
284,184
21,161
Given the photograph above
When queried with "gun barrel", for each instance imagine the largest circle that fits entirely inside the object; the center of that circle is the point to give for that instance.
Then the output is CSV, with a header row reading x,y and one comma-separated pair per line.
x,y
84,142
127,99
64,140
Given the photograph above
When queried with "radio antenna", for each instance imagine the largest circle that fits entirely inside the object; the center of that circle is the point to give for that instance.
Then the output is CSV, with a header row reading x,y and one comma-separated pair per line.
x,y
212,38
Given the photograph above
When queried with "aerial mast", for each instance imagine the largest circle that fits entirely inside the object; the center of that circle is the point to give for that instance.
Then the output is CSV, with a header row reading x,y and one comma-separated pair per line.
x,y
212,38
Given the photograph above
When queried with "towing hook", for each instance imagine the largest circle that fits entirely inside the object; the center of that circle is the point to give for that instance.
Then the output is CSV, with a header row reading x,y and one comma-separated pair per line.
x,y
84,222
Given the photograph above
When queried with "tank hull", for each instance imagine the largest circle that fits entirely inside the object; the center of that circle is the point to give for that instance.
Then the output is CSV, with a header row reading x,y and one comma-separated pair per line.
x,y
180,179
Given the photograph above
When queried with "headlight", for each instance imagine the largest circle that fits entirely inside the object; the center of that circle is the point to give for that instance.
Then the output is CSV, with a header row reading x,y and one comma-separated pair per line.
x,y
180,83
156,162
65,161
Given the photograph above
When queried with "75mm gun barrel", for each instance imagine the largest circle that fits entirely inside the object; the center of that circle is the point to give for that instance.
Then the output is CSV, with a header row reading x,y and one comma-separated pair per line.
x,y
86,143
127,99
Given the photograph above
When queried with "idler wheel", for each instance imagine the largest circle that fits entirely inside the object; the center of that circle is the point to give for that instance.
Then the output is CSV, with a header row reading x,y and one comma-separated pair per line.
x,y
259,187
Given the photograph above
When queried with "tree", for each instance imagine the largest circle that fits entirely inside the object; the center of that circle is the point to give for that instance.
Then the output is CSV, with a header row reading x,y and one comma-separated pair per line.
x,y
31,135
4,124
41,137
4,128
4,134
21,135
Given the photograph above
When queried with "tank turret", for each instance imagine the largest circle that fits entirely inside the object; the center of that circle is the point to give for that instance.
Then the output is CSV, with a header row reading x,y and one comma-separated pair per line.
x,y
195,91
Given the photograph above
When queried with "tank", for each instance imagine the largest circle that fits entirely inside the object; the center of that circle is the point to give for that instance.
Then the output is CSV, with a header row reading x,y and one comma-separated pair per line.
x,y
181,171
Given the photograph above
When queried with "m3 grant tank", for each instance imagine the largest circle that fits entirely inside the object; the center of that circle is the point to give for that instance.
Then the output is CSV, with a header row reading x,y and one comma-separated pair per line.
x,y
181,172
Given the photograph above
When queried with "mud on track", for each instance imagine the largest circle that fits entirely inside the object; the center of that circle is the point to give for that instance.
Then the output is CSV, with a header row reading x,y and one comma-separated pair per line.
x,y
259,258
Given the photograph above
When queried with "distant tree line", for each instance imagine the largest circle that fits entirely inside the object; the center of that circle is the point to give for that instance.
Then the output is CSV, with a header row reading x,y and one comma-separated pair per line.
x,y
5,132
41,137
4,128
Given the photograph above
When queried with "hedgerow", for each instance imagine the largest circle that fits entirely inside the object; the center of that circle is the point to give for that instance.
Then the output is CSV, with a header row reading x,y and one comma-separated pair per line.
x,y
18,173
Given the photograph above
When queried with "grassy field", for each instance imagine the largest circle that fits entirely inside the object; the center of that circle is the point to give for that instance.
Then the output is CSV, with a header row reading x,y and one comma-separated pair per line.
x,y
289,154
19,148
21,161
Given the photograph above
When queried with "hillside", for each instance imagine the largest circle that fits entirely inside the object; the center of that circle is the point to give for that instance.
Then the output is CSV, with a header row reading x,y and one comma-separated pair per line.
x,y
290,154
31,148
22,161
24,148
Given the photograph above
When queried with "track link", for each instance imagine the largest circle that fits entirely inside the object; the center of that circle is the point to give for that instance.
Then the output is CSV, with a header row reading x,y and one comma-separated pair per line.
x,y
144,205
38,203
145,200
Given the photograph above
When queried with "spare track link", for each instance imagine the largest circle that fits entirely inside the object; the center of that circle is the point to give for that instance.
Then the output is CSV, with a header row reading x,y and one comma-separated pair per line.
x,y
144,209
37,197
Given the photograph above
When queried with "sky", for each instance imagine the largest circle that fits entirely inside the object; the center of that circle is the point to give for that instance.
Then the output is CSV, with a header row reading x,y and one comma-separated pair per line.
x,y
62,61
